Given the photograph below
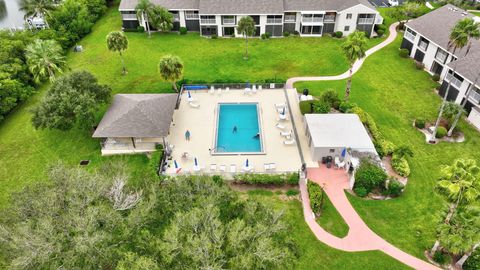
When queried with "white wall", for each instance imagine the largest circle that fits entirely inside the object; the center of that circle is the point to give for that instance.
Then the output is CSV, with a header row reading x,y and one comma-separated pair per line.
x,y
342,20
474,118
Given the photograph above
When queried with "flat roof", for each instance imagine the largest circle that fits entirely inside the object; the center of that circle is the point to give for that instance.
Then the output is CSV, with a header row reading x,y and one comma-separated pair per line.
x,y
138,116
338,130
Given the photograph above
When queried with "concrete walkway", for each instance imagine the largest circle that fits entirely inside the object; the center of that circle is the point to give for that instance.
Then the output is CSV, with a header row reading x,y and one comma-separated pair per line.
x,y
356,66
335,182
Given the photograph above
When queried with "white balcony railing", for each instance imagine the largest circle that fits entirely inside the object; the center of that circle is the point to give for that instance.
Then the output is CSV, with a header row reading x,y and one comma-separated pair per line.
x,y
228,21
312,19
366,20
475,96
454,81
274,20
208,21
290,18
409,36
191,16
129,16
329,18
423,45
442,57
176,17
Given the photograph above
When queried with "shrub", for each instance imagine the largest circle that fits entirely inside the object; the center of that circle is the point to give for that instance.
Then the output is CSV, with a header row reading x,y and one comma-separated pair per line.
x,y
286,34
436,77
400,165
441,132
321,107
267,179
315,193
140,29
338,34
419,65
420,123
384,147
268,35
360,191
183,30
346,106
473,262
155,161
296,33
395,188
380,27
404,53
292,192
214,36
306,106
218,179
331,98
370,176
380,32
440,258
263,36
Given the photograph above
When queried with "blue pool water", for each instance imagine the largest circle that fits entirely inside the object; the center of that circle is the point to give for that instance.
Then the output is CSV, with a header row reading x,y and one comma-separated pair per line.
x,y
245,118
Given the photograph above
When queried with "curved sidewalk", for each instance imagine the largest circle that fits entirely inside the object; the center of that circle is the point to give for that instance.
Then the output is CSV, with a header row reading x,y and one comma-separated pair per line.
x,y
356,66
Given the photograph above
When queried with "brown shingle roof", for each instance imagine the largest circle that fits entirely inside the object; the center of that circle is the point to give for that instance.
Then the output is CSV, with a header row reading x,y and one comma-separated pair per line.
x,y
138,116
168,4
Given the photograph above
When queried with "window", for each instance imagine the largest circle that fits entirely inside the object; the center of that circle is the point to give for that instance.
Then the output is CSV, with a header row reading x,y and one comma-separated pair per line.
x,y
475,94
191,15
207,20
346,28
290,17
312,18
441,56
423,44
349,16
176,16
455,79
228,19
229,31
410,34
274,19
332,150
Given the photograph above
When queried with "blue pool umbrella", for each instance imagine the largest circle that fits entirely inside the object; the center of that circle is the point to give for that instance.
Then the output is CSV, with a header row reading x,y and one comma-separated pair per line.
x,y
344,152
246,163
176,164
189,95
196,163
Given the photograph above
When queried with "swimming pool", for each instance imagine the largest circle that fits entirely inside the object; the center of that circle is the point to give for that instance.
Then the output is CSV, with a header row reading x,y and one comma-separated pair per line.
x,y
238,128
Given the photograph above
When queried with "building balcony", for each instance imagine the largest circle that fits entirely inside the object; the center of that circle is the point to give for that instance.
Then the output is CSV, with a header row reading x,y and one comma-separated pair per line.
x,y
366,20
423,45
129,16
274,20
290,18
409,36
229,21
329,18
312,20
208,21
454,81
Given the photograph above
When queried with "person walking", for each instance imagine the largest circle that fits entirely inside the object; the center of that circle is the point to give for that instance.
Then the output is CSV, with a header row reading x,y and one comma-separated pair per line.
x,y
187,135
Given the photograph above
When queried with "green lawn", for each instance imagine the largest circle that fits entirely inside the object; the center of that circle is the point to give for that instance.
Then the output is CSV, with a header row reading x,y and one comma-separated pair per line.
x,y
331,221
395,93
476,13
315,254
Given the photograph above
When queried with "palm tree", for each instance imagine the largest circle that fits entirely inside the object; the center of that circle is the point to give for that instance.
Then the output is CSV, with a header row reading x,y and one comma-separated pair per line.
x,y
118,42
460,185
161,19
460,36
246,27
44,58
171,69
144,9
40,8
354,48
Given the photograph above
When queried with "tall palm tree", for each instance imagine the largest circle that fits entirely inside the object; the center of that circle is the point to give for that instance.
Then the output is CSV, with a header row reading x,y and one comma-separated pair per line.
x,y
460,185
40,8
460,36
171,69
44,58
161,19
118,42
246,27
354,48
144,9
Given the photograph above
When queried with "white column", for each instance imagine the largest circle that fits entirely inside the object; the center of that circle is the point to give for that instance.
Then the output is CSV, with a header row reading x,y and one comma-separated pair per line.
x,y
263,22
181,15
298,19
218,20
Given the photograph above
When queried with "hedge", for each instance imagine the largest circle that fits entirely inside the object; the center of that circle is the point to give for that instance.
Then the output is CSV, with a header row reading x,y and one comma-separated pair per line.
x,y
306,106
395,188
370,176
400,165
315,194
266,179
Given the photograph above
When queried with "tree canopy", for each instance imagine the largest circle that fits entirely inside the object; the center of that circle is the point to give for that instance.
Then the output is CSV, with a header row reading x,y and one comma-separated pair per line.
x,y
118,42
44,59
161,19
171,69
72,99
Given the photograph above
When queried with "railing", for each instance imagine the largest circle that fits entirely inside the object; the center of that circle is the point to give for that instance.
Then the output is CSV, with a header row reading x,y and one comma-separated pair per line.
x,y
191,16
329,18
229,21
208,21
231,86
312,19
475,96
366,20
423,45
290,18
176,17
442,57
129,16
409,36
454,81
274,20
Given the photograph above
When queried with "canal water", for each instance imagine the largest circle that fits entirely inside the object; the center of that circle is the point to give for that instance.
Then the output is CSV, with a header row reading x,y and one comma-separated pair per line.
x,y
10,15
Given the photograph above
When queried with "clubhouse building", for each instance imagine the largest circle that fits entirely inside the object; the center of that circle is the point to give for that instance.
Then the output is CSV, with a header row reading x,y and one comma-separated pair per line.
x,y
220,17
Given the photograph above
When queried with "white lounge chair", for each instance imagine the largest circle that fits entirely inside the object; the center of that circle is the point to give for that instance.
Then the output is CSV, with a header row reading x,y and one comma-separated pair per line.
x,y
286,133
213,167
233,168
197,168
190,99
289,142
254,89
219,91
273,166
194,105
280,105
223,168
227,89
260,88
212,90
280,126
282,117
247,91
266,166
247,169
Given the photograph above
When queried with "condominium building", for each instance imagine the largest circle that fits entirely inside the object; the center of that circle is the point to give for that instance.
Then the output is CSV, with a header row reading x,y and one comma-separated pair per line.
x,y
427,39
220,17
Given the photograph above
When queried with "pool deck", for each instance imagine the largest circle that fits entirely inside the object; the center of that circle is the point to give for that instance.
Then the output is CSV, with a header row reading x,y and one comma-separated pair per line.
x,y
201,122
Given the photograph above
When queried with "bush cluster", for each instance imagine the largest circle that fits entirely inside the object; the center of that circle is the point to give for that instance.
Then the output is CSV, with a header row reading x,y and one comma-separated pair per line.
x,y
315,194
420,123
338,34
183,30
306,106
265,35
369,176
395,188
419,65
400,165
214,36
286,34
441,132
346,106
404,53
321,107
331,98
383,146
436,77
360,191
267,179
473,262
